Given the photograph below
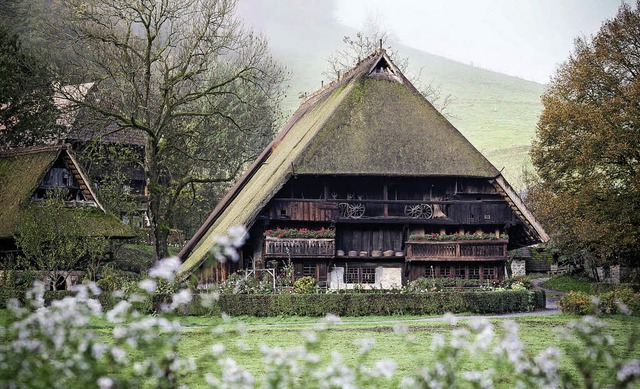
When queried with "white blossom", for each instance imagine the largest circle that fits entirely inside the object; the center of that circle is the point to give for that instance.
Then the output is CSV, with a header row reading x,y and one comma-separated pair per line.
x,y
217,349
105,383
165,268
364,345
386,367
629,371
450,318
148,285
183,297
115,315
119,355
330,318
237,236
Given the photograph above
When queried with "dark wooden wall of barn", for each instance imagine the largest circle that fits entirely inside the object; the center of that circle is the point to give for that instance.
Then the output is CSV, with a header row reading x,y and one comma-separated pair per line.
x,y
361,238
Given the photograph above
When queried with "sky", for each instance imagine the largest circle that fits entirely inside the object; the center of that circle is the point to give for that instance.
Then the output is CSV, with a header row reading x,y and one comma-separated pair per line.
x,y
523,38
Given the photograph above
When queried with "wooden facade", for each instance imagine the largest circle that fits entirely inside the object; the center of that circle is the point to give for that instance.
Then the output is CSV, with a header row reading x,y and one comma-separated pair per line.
x,y
374,219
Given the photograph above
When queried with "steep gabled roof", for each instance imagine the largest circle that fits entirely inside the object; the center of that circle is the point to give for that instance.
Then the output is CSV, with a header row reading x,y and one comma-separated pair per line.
x,y
22,170
372,121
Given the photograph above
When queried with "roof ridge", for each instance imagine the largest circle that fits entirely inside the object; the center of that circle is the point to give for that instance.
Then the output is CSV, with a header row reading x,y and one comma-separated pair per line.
x,y
343,78
34,149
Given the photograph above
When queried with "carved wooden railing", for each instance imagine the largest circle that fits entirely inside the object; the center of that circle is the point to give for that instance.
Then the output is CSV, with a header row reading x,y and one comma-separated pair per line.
x,y
299,248
468,250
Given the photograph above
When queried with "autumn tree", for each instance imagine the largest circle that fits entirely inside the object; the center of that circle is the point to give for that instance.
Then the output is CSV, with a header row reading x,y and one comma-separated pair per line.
x,y
201,88
587,151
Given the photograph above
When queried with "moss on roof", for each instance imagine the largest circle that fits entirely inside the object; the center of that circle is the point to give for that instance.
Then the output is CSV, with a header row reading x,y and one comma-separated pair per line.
x,y
385,128
95,222
268,177
19,177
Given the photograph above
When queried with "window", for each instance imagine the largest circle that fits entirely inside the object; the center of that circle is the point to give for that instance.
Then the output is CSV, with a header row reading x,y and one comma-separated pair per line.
x,y
489,273
445,271
460,272
367,275
474,272
309,271
351,275
429,272
360,275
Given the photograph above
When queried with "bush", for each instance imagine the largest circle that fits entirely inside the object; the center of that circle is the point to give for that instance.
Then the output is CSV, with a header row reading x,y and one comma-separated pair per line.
x,y
616,300
428,284
578,303
304,285
240,284
365,304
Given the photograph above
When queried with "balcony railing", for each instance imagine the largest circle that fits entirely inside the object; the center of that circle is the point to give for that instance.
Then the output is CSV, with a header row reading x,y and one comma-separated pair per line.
x,y
467,250
299,248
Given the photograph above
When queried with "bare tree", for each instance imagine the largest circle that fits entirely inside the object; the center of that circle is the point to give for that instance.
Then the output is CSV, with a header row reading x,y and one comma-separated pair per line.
x,y
203,90
365,42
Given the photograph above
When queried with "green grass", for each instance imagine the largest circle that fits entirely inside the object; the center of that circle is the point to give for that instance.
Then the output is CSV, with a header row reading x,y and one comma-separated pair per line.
x,y
568,283
536,332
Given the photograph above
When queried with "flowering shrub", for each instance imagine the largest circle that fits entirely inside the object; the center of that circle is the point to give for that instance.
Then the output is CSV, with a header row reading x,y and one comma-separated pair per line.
x,y
304,285
304,233
55,346
577,302
478,235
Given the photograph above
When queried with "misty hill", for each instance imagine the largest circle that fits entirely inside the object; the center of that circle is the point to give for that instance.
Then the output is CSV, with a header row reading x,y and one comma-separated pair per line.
x,y
496,112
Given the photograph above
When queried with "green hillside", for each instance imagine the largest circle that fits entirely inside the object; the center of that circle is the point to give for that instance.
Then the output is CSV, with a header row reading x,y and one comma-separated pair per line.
x,y
496,112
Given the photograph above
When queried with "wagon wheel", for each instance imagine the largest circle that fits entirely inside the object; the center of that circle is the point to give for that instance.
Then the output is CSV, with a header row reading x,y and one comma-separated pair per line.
x,y
356,211
343,210
426,211
414,211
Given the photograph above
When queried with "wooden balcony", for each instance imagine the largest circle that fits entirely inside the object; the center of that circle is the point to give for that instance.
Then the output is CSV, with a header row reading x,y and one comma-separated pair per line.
x,y
457,250
299,248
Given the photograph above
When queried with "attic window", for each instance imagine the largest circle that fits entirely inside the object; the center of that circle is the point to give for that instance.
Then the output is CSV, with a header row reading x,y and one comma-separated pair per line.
x,y
382,68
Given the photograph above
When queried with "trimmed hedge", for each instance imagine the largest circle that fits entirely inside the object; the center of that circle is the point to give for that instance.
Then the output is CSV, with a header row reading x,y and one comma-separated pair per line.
x,y
381,304
354,304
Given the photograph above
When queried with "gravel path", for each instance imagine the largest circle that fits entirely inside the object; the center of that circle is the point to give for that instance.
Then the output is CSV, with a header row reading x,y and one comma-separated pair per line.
x,y
553,296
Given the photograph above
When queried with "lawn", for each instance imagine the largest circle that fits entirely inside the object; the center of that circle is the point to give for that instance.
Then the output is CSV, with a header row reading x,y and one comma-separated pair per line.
x,y
568,283
243,336
536,332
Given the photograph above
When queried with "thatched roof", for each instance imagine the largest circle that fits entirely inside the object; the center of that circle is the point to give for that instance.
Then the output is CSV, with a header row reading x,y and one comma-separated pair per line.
x,y
82,125
384,128
370,122
22,170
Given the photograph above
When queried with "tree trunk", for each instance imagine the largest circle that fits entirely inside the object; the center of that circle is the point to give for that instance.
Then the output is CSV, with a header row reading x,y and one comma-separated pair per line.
x,y
159,228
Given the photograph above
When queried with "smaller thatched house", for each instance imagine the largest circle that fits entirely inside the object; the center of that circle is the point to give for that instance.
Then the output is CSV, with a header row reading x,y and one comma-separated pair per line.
x,y
25,177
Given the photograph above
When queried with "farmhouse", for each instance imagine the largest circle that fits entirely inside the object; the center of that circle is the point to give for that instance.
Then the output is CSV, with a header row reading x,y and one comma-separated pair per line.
x,y
27,174
368,184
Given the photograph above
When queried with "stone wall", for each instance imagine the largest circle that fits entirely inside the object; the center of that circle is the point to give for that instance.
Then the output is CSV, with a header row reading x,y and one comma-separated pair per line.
x,y
609,275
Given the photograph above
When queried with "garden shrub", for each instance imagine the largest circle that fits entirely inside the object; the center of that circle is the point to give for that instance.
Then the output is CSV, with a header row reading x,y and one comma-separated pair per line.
x,y
616,300
365,304
432,284
577,302
304,285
